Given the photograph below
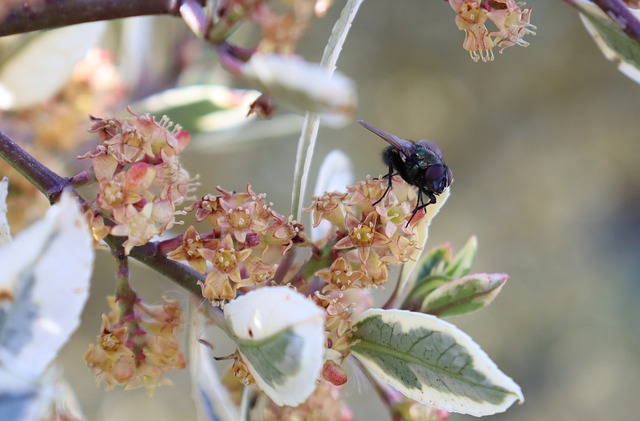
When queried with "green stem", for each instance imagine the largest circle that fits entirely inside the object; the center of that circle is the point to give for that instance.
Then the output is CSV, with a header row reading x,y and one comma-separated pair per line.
x,y
309,134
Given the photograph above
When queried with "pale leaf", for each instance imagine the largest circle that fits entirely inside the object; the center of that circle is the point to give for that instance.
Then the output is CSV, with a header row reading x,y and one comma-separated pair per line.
x,y
38,71
280,334
432,362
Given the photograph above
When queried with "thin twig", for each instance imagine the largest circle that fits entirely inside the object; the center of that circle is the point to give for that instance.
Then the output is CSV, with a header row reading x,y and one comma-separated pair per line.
x,y
307,141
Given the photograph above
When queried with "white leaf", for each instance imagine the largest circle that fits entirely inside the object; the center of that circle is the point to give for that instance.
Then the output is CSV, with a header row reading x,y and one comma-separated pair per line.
x,y
213,401
432,362
336,173
51,399
407,281
615,45
44,284
306,86
280,334
44,65
5,230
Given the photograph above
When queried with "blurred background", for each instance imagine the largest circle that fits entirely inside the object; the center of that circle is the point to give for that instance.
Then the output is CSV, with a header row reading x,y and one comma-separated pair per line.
x,y
544,147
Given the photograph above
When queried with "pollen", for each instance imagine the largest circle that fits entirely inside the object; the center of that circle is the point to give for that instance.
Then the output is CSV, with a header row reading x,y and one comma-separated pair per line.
x,y
240,219
225,260
362,235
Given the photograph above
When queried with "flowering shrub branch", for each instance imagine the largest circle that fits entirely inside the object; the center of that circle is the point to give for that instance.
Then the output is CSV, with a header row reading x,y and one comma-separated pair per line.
x,y
297,305
52,185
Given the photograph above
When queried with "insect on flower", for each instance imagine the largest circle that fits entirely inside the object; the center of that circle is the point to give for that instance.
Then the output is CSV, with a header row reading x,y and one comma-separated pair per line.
x,y
418,163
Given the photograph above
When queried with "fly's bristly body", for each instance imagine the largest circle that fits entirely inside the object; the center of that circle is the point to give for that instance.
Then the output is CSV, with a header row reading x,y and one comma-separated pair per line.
x,y
418,163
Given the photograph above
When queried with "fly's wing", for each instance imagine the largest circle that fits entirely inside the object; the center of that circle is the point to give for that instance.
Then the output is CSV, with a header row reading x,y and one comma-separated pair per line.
x,y
403,145
432,146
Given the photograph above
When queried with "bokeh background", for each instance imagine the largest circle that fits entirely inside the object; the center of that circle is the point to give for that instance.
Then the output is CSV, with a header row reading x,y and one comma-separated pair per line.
x,y
545,149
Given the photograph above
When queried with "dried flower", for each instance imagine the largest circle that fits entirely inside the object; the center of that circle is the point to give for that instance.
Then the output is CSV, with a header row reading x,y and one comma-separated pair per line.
x,y
136,349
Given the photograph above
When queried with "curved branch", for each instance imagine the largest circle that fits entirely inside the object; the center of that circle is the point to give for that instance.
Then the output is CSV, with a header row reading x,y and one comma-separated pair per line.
x,y
45,180
181,274
49,14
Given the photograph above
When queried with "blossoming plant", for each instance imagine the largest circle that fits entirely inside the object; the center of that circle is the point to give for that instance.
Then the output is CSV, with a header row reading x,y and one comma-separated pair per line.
x,y
294,299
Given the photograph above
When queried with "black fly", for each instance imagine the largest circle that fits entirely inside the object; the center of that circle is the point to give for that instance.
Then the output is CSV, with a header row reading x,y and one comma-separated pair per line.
x,y
418,163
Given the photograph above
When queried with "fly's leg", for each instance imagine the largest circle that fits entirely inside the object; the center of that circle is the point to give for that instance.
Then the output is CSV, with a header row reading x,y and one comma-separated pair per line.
x,y
420,204
389,175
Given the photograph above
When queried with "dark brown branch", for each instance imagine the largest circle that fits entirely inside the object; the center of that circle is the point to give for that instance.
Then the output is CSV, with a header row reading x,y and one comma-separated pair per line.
x,y
49,14
181,274
45,180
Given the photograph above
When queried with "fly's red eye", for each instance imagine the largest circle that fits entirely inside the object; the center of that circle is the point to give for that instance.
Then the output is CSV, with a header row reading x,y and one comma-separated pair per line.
x,y
434,172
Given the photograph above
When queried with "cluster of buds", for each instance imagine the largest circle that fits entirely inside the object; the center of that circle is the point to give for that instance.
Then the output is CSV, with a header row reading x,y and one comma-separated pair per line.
x,y
511,22
137,345
140,179
243,245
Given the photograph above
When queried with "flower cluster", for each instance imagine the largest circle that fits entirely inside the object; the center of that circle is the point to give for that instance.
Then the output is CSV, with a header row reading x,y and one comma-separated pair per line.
x,y
281,26
51,130
244,243
511,22
135,348
140,179
323,404
367,235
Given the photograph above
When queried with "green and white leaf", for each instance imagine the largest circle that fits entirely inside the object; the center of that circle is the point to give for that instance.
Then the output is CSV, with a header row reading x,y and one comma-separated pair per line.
x,y
461,264
433,262
464,295
202,108
44,284
407,279
432,362
616,46
280,334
